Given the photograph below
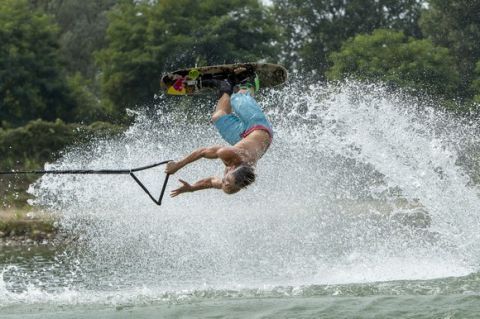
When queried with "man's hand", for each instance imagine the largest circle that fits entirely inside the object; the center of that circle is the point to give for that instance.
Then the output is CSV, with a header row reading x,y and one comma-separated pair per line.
x,y
209,182
172,167
185,188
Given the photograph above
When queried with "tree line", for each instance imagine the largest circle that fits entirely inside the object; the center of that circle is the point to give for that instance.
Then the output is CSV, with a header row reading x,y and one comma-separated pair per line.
x,y
86,61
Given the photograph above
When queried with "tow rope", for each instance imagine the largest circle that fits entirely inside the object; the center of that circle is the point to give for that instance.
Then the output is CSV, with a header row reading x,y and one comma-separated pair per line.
x,y
104,172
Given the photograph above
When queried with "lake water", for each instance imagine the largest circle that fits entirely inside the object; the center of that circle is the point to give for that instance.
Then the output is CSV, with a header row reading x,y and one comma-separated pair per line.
x,y
35,286
364,207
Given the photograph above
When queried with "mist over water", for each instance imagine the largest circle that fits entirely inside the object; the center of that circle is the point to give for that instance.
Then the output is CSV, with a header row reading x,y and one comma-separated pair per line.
x,y
360,185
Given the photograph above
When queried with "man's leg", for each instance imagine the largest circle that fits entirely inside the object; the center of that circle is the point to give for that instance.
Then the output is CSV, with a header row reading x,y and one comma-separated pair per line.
x,y
228,124
224,90
223,107
248,111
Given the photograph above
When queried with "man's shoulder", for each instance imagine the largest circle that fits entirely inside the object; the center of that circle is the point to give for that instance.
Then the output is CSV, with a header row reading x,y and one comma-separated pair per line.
x,y
228,150
230,153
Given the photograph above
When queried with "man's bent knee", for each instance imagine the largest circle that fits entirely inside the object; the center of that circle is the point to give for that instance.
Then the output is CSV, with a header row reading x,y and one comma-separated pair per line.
x,y
218,114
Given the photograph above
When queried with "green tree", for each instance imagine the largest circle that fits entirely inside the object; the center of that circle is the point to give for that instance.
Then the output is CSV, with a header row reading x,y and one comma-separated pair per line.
x,y
315,28
455,24
148,38
392,57
32,84
476,84
82,28
128,70
89,108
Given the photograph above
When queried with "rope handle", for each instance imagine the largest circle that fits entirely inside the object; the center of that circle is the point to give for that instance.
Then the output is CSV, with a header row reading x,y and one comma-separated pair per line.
x,y
104,172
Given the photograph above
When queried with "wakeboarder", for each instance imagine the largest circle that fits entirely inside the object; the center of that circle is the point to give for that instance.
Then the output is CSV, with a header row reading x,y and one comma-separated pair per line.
x,y
241,123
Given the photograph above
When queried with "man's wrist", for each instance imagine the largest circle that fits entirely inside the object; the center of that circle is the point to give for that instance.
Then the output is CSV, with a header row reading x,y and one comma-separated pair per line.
x,y
178,165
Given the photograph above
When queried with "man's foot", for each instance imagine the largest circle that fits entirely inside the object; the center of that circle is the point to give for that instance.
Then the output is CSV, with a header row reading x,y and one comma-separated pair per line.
x,y
248,83
223,86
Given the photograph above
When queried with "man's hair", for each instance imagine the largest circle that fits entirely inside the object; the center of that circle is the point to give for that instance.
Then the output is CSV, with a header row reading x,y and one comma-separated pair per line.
x,y
244,175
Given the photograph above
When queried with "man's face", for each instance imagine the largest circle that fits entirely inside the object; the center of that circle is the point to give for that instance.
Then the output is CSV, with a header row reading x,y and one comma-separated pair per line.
x,y
228,183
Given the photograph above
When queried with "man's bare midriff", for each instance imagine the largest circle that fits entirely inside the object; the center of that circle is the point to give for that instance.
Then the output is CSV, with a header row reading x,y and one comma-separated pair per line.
x,y
254,145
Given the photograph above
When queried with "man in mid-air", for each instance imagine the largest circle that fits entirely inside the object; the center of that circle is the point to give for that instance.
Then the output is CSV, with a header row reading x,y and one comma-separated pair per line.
x,y
246,129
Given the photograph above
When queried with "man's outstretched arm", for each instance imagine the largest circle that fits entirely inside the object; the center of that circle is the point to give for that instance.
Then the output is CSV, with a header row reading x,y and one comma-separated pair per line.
x,y
210,182
203,152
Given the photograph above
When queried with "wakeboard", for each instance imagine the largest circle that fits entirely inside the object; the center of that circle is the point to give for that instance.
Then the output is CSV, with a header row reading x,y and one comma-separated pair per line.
x,y
189,81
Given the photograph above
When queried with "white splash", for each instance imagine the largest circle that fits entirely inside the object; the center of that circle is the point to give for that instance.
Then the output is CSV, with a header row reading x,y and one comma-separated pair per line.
x,y
360,185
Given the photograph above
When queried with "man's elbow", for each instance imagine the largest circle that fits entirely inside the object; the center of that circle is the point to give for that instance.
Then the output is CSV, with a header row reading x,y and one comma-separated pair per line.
x,y
201,152
210,152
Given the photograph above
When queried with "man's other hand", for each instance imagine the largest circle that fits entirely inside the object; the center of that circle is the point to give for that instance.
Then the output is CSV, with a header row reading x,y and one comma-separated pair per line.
x,y
185,188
